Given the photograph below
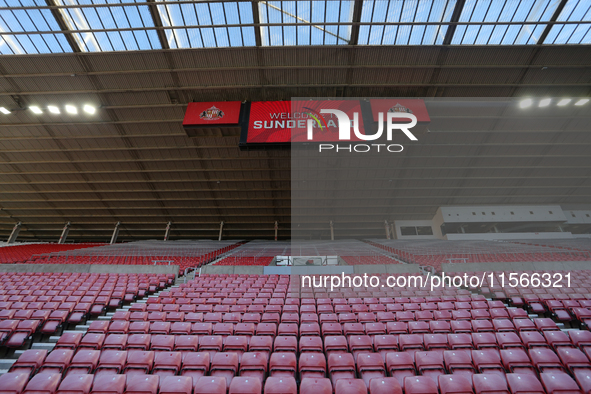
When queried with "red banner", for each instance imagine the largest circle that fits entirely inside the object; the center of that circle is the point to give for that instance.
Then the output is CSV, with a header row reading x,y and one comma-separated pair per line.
x,y
286,121
212,113
412,106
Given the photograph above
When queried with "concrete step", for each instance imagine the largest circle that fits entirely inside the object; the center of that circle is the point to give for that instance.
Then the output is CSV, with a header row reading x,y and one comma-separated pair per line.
x,y
82,327
6,363
104,318
3,371
43,345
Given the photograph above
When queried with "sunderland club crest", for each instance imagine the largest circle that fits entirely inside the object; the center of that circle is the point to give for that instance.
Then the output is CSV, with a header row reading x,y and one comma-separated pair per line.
x,y
212,113
400,108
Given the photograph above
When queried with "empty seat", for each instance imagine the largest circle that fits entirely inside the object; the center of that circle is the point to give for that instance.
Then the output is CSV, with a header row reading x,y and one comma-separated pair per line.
x,y
245,385
108,384
280,385
254,364
209,385
400,366
13,383
455,384
559,383
282,364
573,359
83,362
489,384
315,386
162,342
459,362
111,362
488,361
420,385
98,327
312,365
115,341
385,386
142,384
138,341
29,362
516,361
76,384
310,344
545,360
176,385
167,363
224,365
524,383
350,386
369,366
583,378
139,362
57,361
43,383
195,365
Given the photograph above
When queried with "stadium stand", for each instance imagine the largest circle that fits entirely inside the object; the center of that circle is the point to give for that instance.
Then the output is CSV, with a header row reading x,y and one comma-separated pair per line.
x,y
11,254
220,333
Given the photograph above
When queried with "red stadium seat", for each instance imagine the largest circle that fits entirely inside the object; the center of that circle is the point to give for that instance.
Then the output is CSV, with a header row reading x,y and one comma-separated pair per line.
x,y
76,384
210,385
489,384
350,386
245,385
43,383
195,365
13,383
420,385
108,384
455,384
400,366
524,383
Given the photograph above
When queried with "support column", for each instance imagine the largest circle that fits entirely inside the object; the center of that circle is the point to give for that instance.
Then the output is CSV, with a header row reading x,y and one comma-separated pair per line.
x,y
392,231
276,228
331,231
15,230
167,233
64,235
221,229
115,233
387,228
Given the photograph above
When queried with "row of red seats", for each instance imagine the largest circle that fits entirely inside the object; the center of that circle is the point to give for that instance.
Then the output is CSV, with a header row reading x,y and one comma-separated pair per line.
x,y
366,367
162,338
21,253
246,260
549,383
195,325
368,260
239,314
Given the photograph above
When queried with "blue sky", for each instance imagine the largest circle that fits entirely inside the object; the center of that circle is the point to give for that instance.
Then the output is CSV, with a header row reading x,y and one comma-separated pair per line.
x,y
43,33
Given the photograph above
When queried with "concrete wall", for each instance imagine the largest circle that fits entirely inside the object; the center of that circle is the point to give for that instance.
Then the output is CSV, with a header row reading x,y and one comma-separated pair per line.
x,y
518,266
506,236
92,268
312,270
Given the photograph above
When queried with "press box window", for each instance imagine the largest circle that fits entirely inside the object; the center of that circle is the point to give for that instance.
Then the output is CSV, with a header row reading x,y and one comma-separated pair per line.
x,y
408,230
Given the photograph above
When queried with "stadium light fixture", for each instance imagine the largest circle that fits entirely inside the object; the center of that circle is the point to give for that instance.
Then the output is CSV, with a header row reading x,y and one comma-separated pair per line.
x,y
89,109
53,109
4,111
545,102
71,109
582,102
564,102
526,103
35,109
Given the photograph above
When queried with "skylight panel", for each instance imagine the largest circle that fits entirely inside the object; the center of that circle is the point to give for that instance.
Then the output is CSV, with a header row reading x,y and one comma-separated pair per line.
x,y
313,17
30,21
207,14
494,13
573,11
401,12
88,19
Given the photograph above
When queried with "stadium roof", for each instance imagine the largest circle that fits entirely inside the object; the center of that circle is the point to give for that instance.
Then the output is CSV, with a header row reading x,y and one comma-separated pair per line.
x,y
139,64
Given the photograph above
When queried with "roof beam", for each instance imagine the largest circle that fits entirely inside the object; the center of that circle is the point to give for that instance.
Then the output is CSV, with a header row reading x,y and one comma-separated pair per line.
x,y
455,17
357,7
554,18
57,14
256,19
155,14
